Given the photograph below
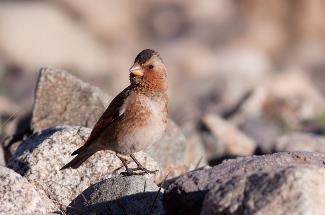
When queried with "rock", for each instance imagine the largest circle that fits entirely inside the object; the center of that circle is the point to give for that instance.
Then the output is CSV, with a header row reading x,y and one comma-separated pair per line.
x,y
235,142
195,155
49,37
172,153
18,196
214,147
171,172
263,132
130,195
170,149
300,142
62,99
294,190
185,195
2,156
287,99
40,157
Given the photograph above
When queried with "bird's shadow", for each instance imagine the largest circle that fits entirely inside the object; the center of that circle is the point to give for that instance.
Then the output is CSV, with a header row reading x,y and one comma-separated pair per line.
x,y
134,204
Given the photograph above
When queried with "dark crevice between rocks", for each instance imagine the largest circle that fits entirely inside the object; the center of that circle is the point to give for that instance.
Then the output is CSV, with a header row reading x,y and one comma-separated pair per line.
x,y
181,203
219,160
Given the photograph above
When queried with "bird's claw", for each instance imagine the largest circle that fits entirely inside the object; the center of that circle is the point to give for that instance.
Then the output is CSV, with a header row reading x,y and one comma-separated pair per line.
x,y
132,171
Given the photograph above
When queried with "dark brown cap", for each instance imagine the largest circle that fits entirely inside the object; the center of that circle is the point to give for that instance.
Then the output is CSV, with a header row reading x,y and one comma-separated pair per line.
x,y
145,55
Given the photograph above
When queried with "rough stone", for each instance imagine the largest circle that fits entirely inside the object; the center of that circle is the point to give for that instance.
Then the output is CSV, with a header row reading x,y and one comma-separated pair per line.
x,y
172,153
119,195
185,195
195,155
263,132
18,196
170,149
235,142
294,190
300,142
2,156
62,99
40,157
287,98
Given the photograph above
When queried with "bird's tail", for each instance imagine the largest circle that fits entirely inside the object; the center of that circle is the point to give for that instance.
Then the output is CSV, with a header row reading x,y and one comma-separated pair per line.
x,y
82,156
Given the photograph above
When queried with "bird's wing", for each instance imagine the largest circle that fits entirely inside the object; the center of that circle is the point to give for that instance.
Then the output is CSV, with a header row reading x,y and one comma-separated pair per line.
x,y
114,111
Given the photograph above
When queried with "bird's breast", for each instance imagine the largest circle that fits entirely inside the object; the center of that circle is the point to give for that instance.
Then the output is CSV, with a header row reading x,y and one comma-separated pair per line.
x,y
146,125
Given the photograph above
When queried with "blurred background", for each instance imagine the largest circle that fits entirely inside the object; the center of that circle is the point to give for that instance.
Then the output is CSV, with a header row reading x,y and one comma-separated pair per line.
x,y
258,65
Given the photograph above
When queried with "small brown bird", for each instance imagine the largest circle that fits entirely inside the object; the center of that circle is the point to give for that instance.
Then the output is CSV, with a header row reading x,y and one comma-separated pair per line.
x,y
135,119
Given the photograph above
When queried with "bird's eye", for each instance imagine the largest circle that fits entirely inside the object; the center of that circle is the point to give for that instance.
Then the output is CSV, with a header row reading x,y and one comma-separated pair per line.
x,y
150,66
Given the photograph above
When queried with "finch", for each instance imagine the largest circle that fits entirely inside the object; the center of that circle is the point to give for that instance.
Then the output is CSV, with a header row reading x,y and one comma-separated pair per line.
x,y
136,117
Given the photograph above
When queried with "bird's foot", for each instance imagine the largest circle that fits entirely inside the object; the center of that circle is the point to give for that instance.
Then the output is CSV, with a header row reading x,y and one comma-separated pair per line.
x,y
134,171
145,170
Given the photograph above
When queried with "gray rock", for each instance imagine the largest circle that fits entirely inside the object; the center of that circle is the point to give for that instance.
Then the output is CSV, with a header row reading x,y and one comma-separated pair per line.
x,y
178,154
287,98
263,132
235,142
119,195
18,196
196,155
62,99
2,156
170,149
289,190
185,195
40,157
300,142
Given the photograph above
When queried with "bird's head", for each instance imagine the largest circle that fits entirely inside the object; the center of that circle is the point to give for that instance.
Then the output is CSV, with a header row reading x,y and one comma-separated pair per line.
x,y
149,71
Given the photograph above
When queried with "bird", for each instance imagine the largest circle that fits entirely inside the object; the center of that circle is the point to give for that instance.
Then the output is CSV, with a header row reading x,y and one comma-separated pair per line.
x,y
135,119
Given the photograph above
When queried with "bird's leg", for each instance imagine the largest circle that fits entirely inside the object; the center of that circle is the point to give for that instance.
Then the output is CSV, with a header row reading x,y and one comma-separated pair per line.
x,y
124,162
140,167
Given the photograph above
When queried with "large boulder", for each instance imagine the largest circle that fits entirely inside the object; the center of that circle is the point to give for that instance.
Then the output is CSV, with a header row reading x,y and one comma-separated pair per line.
x,y
18,196
40,157
289,190
186,194
130,195
62,99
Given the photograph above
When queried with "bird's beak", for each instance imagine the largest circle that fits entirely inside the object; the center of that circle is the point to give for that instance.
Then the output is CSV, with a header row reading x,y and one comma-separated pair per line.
x,y
136,70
